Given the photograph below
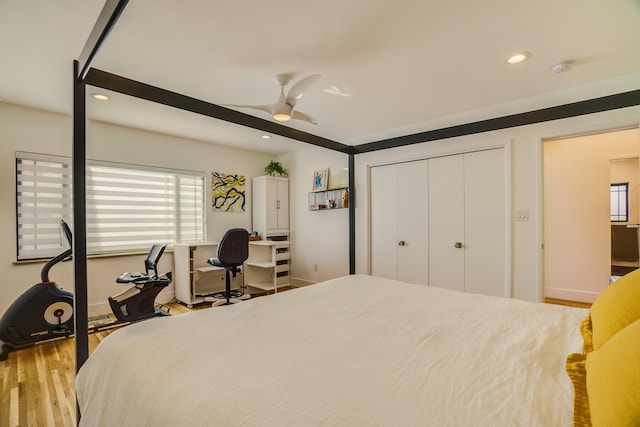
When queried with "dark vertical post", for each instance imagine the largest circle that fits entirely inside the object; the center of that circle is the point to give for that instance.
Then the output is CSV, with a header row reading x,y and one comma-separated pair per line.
x,y
352,212
80,309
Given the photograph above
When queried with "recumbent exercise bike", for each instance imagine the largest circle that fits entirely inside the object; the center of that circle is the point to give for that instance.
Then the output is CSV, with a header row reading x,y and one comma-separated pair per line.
x,y
45,311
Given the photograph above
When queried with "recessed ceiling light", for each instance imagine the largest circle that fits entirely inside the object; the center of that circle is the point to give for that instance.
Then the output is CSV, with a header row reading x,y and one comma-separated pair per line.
x,y
266,136
519,57
100,96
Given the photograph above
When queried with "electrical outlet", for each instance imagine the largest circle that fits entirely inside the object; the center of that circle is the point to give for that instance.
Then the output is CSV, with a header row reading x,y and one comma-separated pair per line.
x,y
315,267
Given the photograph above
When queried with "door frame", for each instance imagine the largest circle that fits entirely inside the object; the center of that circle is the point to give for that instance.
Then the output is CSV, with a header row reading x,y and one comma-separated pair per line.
x,y
542,288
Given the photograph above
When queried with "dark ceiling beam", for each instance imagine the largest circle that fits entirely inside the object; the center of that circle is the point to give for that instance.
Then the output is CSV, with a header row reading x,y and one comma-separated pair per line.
x,y
595,105
107,19
140,90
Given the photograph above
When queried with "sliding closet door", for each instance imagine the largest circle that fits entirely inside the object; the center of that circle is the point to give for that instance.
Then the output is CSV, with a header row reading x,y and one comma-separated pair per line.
x,y
399,235
446,222
485,223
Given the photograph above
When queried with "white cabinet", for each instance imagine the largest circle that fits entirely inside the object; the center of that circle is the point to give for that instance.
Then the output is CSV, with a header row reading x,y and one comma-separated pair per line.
x,y
442,222
267,267
271,206
194,279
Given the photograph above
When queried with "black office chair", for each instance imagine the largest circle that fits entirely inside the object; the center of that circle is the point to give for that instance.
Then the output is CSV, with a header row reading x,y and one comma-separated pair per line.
x,y
233,251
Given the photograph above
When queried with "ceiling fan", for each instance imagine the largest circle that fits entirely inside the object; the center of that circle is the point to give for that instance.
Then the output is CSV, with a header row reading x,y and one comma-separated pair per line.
x,y
284,108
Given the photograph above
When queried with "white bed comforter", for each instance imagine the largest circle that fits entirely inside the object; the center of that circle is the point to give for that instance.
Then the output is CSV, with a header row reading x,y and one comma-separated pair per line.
x,y
354,351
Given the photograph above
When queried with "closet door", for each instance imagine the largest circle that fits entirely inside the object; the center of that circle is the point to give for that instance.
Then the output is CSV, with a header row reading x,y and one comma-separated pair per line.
x,y
383,212
467,222
446,222
399,235
485,223
412,236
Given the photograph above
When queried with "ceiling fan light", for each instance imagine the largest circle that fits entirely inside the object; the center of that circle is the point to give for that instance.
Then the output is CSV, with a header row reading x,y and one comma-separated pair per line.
x,y
282,112
282,117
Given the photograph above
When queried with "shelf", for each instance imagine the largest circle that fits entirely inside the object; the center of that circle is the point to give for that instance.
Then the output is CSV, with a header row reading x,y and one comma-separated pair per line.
x,y
207,269
265,286
262,264
320,200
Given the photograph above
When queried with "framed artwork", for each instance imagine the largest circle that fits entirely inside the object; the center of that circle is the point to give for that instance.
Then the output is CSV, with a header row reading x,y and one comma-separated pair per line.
x,y
320,178
227,192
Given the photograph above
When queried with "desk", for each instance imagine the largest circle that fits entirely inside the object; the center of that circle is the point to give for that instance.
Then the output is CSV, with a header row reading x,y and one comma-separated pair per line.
x,y
194,279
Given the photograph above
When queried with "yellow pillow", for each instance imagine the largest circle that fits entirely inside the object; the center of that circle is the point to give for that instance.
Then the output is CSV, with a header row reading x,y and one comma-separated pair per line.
x,y
613,380
587,334
576,371
616,307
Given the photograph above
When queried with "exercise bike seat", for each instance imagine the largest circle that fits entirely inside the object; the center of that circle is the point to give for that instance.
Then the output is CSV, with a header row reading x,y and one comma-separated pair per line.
x,y
134,277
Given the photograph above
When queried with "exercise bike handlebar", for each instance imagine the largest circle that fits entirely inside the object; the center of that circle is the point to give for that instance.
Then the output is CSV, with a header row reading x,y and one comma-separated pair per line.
x,y
64,256
44,274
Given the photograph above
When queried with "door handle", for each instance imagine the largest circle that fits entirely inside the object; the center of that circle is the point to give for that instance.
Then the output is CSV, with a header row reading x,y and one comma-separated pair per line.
x,y
277,204
458,245
402,243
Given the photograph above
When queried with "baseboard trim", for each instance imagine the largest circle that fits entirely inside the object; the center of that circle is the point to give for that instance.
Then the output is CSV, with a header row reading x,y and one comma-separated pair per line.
x,y
570,295
300,282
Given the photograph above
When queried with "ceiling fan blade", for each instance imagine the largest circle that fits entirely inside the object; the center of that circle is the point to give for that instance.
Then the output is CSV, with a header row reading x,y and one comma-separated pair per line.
x,y
298,89
267,108
297,115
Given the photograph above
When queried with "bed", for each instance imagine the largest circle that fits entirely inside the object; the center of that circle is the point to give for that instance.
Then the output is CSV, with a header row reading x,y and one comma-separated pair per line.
x,y
353,351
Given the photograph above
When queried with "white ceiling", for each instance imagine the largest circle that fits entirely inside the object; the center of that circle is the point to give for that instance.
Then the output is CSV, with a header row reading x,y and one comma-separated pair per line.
x,y
409,66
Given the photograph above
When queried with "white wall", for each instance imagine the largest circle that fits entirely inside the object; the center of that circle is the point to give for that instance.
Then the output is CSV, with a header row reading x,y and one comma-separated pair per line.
x,y
25,129
318,238
576,217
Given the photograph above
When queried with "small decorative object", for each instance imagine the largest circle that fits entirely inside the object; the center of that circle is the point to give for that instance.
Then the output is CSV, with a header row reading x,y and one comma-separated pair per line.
x,y
254,236
227,192
331,203
320,180
275,168
345,198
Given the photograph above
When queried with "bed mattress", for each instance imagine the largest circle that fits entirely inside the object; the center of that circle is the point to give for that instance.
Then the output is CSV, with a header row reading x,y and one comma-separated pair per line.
x,y
354,351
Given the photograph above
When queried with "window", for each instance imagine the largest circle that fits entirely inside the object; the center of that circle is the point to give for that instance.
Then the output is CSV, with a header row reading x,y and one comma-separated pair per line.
x,y
620,202
129,207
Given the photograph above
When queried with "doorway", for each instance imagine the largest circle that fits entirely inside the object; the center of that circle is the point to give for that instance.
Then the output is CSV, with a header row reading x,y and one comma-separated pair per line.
x,y
624,216
577,211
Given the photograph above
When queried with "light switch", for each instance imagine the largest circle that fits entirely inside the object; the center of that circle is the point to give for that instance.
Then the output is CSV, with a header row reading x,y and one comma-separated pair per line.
x,y
522,215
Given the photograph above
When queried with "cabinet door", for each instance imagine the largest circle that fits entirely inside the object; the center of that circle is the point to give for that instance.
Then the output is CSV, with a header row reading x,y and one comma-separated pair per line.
x,y
446,222
272,204
485,223
283,204
383,210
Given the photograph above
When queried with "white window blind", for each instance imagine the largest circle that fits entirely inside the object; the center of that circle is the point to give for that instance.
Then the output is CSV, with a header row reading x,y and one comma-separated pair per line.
x,y
43,197
129,208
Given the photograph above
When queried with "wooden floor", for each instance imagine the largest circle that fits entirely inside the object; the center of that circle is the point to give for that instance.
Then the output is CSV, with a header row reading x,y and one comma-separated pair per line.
x,y
569,303
38,383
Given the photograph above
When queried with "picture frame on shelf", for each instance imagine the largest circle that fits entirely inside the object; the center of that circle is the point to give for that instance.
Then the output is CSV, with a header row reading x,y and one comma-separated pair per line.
x,y
320,179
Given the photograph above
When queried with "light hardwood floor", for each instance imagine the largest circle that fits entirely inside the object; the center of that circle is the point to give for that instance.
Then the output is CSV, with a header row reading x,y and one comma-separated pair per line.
x,y
569,303
38,383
